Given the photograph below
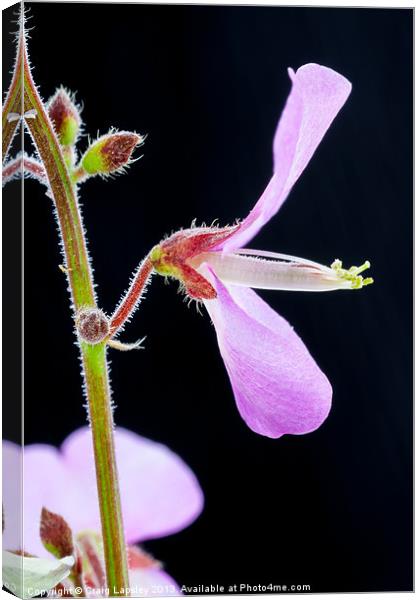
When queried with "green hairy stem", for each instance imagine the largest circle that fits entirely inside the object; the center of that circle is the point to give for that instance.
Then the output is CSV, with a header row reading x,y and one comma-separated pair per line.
x,y
13,103
80,280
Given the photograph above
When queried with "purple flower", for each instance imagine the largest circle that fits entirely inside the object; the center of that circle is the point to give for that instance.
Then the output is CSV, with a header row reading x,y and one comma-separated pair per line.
x,y
278,386
160,496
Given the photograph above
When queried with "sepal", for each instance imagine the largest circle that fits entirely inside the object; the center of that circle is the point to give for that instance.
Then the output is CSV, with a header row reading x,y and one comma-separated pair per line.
x,y
177,256
56,534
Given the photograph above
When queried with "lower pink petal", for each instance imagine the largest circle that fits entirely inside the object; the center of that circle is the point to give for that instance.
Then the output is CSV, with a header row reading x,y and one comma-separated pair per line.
x,y
152,582
46,482
160,494
12,496
278,386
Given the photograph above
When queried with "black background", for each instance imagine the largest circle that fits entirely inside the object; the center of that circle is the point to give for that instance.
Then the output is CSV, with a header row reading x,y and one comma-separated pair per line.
x,y
332,509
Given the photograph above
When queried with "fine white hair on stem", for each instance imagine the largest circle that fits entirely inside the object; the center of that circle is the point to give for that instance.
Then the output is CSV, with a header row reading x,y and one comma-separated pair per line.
x,y
61,242
84,385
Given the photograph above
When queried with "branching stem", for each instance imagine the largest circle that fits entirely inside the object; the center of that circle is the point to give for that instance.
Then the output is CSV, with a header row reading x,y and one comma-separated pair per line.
x,y
82,291
13,103
132,297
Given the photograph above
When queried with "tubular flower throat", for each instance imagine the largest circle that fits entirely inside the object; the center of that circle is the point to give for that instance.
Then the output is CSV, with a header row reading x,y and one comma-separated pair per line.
x,y
248,268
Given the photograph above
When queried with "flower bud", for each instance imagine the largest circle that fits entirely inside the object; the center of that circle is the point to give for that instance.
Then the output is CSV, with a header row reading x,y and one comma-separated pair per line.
x,y
65,117
110,153
92,325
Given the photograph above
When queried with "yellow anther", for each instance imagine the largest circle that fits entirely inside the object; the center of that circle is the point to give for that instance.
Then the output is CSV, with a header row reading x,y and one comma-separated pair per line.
x,y
368,280
358,270
353,274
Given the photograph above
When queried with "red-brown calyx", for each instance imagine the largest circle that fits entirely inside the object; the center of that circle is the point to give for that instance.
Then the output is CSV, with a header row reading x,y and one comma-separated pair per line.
x,y
174,257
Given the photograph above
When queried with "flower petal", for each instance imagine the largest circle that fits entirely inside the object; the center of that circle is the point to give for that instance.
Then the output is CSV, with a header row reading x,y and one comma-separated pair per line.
x,y
152,582
49,482
317,95
278,386
12,496
160,494
28,576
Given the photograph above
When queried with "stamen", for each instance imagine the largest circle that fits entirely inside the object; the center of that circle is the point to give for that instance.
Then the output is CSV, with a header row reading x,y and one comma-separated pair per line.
x,y
271,271
353,274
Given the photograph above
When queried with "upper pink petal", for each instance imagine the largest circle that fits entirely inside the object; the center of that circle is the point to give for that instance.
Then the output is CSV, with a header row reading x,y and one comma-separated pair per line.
x,y
160,494
278,386
317,95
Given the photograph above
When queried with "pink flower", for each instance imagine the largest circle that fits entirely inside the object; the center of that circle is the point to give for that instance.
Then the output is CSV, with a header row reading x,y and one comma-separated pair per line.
x,y
278,386
160,496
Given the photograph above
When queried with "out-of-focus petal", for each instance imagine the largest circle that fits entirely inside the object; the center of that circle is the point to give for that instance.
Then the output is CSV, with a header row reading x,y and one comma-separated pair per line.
x,y
28,576
160,494
278,386
12,496
317,95
49,482
152,582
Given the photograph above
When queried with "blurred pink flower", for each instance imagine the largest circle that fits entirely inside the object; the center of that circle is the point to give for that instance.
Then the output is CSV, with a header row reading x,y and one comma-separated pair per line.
x,y
160,495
